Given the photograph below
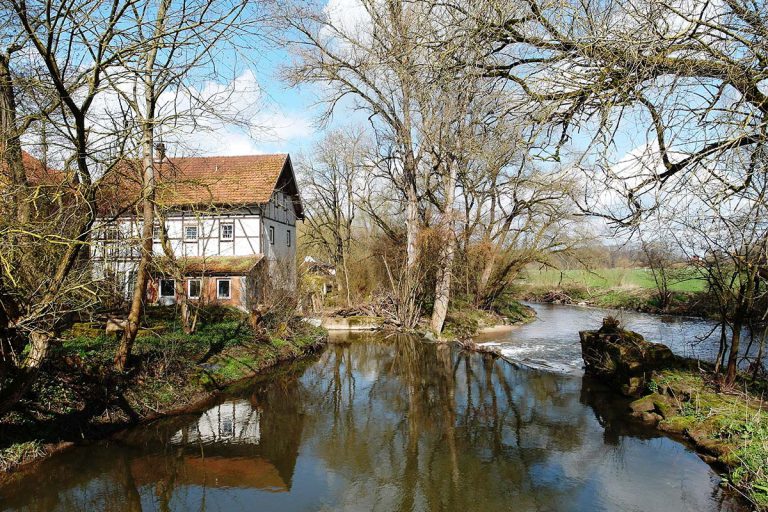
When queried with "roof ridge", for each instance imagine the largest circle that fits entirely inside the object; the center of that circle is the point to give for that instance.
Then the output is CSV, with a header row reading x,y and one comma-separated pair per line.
x,y
229,156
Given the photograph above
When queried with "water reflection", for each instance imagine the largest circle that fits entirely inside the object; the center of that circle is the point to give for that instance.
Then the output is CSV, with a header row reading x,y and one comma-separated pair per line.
x,y
233,422
386,423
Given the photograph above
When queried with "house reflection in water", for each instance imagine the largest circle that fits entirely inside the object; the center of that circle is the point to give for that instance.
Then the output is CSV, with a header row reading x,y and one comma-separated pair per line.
x,y
240,443
228,433
235,422
245,445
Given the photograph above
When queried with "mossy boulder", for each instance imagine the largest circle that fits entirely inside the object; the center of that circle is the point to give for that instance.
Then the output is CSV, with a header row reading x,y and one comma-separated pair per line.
x,y
641,405
623,358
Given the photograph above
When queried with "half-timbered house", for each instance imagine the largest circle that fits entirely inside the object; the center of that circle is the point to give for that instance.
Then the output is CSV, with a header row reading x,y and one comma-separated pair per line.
x,y
230,221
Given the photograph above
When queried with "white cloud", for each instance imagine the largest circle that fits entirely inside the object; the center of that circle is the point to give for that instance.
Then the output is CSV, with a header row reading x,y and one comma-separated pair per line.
x,y
242,122
349,16
212,118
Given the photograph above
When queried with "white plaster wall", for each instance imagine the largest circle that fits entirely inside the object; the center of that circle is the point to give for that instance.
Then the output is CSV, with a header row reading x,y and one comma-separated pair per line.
x,y
279,215
251,237
247,232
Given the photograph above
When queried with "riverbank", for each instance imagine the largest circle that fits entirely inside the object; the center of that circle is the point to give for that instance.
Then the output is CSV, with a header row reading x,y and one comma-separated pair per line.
x,y
729,428
463,323
628,298
728,425
78,397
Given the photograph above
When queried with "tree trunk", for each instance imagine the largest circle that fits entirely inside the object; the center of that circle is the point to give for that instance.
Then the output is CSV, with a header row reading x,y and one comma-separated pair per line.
x,y
411,213
447,254
11,143
142,274
722,348
759,360
40,343
346,283
733,356
443,285
485,277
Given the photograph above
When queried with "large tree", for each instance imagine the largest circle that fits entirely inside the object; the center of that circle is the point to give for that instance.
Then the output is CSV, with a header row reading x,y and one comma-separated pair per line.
x,y
177,43
374,62
73,44
694,73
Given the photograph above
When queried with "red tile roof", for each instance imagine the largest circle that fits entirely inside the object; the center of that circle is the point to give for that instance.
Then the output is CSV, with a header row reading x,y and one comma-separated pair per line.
x,y
214,181
37,173
228,180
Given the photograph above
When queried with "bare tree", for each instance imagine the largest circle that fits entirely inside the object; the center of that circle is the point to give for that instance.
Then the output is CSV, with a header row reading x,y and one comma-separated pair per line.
x,y
731,238
374,62
667,267
692,72
174,40
331,176
75,42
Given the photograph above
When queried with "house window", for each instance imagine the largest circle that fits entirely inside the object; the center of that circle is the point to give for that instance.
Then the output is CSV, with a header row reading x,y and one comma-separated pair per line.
x,y
193,288
130,283
223,288
156,232
167,288
111,236
288,239
227,231
190,233
271,235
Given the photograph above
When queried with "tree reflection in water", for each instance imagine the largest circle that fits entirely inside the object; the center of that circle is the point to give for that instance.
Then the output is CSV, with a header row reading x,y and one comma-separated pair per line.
x,y
385,422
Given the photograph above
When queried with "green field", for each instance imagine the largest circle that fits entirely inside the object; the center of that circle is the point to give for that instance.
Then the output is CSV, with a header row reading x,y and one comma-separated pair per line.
x,y
606,278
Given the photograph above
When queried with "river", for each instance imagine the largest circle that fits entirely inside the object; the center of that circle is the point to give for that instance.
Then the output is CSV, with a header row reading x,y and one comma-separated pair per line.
x,y
551,342
389,422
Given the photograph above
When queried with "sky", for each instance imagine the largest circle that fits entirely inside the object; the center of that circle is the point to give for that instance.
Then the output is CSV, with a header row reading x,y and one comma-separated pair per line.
x,y
286,116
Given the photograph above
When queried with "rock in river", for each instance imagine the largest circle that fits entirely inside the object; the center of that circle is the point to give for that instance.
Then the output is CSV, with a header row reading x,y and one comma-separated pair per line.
x,y
622,358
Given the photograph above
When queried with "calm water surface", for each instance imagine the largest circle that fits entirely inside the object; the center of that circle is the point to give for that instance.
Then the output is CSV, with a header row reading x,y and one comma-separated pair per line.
x,y
385,423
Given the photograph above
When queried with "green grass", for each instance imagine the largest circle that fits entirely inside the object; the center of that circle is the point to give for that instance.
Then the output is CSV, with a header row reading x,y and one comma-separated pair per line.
x,y
465,320
173,366
605,278
737,421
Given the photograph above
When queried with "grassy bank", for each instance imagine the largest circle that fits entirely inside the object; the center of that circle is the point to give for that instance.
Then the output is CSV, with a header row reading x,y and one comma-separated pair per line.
x,y
465,321
78,396
607,278
729,428
632,289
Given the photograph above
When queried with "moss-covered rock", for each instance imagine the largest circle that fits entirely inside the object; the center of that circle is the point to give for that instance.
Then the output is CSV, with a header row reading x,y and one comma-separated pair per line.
x,y
623,358
727,428
641,405
85,330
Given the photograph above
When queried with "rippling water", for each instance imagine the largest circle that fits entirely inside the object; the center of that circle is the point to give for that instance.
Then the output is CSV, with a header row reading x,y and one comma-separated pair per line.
x,y
552,340
385,423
